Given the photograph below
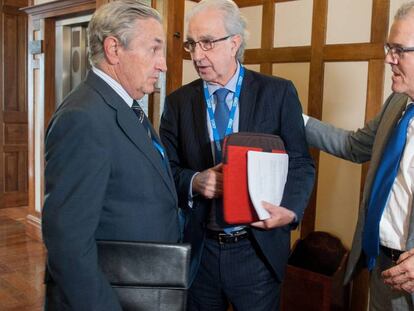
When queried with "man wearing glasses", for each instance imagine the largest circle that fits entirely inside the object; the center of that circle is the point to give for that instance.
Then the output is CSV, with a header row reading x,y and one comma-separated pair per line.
x,y
384,237
242,265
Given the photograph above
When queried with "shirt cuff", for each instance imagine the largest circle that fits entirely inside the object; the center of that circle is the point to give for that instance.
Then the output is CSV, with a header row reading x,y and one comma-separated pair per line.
x,y
191,195
305,118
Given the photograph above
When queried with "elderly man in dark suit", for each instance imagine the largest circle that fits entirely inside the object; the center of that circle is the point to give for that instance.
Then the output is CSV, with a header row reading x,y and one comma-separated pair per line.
x,y
243,265
384,236
107,175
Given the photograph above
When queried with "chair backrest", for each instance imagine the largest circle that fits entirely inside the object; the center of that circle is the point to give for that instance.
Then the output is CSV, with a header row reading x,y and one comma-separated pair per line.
x,y
319,252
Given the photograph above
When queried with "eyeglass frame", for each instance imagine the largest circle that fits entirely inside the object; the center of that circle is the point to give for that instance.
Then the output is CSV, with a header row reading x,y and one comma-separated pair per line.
x,y
396,51
193,44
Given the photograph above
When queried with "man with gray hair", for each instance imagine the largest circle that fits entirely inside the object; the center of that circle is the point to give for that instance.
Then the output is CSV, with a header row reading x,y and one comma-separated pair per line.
x,y
384,237
106,174
243,265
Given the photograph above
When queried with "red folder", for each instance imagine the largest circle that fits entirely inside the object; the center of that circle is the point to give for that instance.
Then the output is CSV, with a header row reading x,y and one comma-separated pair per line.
x,y
237,206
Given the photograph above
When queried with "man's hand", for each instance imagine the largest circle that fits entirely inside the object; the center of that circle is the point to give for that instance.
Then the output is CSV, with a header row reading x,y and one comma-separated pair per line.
x,y
401,276
279,216
209,183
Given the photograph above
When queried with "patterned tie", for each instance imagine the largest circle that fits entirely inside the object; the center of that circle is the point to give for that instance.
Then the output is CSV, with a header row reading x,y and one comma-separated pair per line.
x,y
145,122
221,117
381,187
141,117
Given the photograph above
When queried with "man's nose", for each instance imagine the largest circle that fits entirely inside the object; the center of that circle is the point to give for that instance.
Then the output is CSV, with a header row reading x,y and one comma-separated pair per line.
x,y
390,59
198,53
162,64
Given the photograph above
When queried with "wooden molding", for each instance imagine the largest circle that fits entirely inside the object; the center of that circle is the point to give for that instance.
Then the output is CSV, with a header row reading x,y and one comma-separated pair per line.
x,y
175,32
353,52
59,8
316,74
34,227
379,20
278,55
268,25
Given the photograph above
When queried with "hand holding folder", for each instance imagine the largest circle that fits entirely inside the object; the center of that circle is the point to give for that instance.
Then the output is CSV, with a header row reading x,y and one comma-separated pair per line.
x,y
278,216
268,176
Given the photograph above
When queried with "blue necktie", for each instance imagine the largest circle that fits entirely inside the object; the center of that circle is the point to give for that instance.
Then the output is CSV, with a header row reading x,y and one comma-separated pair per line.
x,y
221,117
381,187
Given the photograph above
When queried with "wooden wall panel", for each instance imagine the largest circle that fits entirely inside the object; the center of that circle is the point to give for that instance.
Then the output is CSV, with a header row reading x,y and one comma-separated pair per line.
x,y
11,164
15,134
10,64
1,107
318,54
13,121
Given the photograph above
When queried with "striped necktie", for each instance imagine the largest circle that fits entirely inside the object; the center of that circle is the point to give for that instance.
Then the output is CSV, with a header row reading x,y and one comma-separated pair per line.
x,y
142,118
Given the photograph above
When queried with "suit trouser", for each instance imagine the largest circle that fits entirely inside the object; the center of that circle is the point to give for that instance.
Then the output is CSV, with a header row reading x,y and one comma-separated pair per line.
x,y
382,297
235,273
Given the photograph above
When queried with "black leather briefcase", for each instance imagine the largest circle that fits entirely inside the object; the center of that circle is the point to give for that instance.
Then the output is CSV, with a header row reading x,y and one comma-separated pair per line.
x,y
147,276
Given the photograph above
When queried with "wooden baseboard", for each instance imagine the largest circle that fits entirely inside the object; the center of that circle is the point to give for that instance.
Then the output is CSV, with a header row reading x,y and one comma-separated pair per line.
x,y
34,227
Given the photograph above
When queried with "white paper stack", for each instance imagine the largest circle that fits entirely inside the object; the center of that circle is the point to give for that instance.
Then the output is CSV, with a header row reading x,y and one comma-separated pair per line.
x,y
266,175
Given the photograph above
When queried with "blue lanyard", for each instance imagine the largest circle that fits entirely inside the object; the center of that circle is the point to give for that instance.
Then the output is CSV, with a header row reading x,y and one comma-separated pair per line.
x,y
234,105
159,148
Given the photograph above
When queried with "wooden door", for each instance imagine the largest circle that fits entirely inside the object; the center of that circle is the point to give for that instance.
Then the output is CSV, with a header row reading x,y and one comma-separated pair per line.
x,y
13,114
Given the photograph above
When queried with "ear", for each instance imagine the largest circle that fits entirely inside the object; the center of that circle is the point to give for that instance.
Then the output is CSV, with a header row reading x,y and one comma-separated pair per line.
x,y
111,48
236,41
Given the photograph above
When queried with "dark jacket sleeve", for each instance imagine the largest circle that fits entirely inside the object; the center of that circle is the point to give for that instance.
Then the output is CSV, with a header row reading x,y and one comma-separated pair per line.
x,y
301,174
76,175
170,136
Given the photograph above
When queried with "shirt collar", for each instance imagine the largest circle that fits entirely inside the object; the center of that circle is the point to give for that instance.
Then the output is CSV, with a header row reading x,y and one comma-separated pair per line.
x,y
117,87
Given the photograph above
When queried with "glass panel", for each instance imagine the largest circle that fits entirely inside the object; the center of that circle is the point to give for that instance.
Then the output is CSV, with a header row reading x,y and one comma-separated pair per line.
x,y
254,67
345,89
293,23
253,16
338,197
298,73
189,73
349,21
188,5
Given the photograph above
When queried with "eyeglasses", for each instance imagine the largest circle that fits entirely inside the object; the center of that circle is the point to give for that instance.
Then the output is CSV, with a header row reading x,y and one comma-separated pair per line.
x,y
396,51
205,44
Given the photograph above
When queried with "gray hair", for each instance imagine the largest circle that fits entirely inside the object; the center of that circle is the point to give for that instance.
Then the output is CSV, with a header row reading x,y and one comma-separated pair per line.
x,y
116,19
234,21
404,10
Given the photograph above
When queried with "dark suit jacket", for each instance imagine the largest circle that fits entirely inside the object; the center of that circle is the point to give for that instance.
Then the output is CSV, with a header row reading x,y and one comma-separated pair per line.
x,y
104,180
267,105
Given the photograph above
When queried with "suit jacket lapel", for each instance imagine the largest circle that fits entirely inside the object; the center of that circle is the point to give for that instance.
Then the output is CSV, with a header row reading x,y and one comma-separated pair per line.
x,y
247,102
128,122
200,125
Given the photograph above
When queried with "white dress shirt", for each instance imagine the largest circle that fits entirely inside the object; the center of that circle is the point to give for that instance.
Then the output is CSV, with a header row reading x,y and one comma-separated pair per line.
x,y
395,220
115,85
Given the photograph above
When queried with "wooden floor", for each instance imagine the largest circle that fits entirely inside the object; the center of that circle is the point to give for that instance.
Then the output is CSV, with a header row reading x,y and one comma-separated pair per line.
x,y
22,264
